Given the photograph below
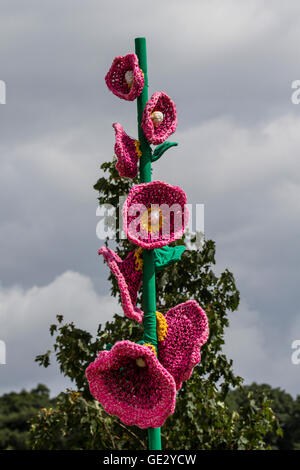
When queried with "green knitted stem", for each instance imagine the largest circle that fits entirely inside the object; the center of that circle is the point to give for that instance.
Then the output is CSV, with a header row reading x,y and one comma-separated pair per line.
x,y
149,304
149,321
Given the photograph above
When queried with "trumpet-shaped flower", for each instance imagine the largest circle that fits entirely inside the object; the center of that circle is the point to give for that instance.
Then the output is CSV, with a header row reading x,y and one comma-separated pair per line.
x,y
125,78
159,118
130,383
127,151
155,214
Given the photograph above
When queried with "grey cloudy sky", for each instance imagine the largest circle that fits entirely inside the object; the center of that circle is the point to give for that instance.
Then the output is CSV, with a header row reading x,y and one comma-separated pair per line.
x,y
228,65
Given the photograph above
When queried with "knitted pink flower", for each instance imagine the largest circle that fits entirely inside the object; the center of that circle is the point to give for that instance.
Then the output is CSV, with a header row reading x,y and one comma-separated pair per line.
x,y
129,274
159,118
127,151
130,383
155,214
125,78
187,331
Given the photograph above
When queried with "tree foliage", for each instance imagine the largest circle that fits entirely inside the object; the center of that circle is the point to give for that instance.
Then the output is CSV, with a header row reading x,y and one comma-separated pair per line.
x,y
202,419
16,409
286,409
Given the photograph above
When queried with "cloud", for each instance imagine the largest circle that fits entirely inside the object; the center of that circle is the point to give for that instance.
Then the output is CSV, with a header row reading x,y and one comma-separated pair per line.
x,y
248,180
25,317
229,157
245,343
260,353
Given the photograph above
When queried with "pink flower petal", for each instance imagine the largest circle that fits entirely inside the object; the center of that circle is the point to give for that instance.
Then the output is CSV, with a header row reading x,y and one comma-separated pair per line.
x,y
188,330
129,280
115,78
159,101
170,200
140,396
125,150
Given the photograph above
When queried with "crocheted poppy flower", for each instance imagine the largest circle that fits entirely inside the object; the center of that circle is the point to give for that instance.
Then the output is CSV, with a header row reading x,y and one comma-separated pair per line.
x,y
187,331
155,214
128,273
127,151
159,118
130,383
125,78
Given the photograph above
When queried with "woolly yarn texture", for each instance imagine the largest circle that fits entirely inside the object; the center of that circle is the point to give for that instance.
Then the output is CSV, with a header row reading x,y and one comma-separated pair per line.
x,y
129,274
170,201
159,103
116,77
187,331
127,152
140,396
161,326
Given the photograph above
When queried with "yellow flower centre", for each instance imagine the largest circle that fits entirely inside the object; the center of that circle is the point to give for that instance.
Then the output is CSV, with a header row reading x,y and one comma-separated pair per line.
x,y
152,220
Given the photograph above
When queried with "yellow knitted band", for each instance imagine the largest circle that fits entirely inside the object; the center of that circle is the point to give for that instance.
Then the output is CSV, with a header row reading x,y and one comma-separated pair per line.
x,y
161,326
149,345
138,254
137,148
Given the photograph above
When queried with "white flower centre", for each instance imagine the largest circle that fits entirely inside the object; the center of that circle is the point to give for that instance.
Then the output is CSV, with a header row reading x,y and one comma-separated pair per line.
x,y
155,217
129,77
140,362
157,118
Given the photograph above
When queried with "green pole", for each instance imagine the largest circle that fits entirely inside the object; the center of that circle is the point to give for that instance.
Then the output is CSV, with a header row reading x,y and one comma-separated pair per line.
x,y
149,301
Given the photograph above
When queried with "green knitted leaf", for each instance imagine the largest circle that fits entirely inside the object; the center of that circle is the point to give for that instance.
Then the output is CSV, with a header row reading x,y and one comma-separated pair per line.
x,y
167,255
161,149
